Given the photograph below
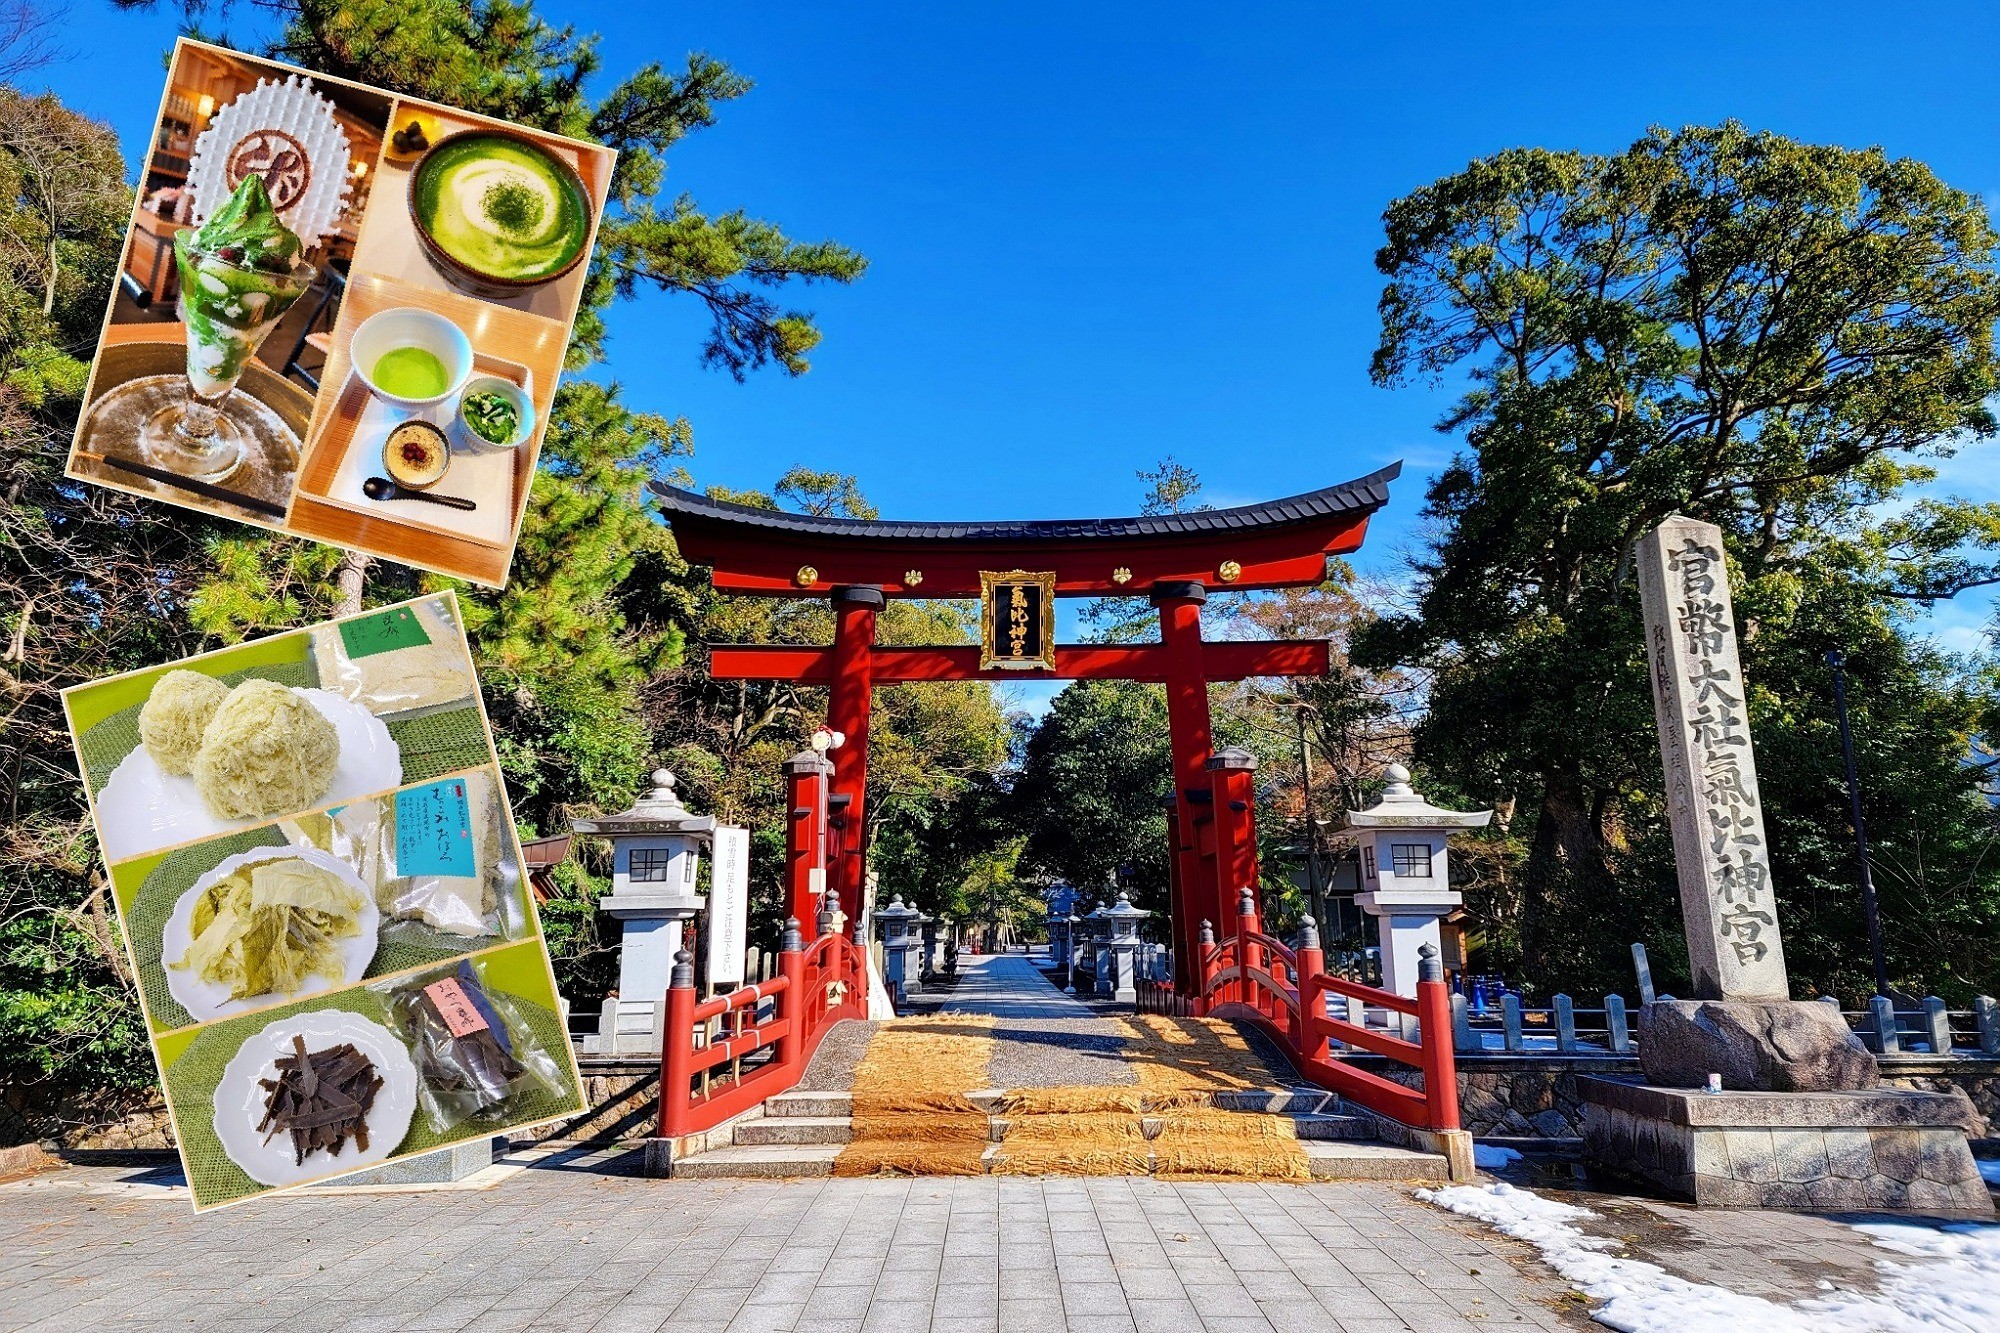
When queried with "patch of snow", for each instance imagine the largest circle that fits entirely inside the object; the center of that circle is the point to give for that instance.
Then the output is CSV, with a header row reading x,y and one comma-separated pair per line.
x,y
1957,1292
1492,1159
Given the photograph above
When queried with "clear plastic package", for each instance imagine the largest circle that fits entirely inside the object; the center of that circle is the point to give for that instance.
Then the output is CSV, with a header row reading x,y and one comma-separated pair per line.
x,y
476,1053
405,660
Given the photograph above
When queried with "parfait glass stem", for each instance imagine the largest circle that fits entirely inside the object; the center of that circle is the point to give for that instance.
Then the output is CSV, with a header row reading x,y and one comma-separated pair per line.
x,y
198,418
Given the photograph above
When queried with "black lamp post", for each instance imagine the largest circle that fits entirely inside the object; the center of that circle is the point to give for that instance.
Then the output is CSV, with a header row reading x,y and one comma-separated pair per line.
x,y
1313,894
1838,661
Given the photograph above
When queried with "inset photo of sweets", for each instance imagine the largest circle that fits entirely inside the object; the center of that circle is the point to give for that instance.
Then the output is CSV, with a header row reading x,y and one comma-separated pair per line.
x,y
342,313
298,721
323,900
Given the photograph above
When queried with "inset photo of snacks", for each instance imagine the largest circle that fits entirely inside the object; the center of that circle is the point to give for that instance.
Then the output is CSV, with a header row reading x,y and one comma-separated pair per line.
x,y
398,1066
299,721
324,900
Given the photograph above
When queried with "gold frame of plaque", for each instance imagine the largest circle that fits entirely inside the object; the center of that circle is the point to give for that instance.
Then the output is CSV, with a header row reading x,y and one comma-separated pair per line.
x,y
991,582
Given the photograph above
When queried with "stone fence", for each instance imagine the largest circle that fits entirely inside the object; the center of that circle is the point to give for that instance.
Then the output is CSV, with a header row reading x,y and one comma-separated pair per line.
x,y
1609,1029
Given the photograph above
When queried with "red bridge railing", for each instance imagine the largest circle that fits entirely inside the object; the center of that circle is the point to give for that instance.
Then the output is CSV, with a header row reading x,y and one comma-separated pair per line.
x,y
1290,996
721,1056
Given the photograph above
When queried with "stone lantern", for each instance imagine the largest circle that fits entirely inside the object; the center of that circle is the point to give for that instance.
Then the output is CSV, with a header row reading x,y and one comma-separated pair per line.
x,y
900,944
1406,873
1122,952
1100,949
655,850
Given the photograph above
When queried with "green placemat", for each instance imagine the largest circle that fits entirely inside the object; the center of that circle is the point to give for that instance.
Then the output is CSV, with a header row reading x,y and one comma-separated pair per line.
x,y
105,745
441,743
413,945
192,1079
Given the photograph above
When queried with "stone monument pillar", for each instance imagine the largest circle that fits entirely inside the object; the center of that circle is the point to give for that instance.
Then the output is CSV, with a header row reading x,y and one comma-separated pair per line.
x,y
1797,1121
1741,1023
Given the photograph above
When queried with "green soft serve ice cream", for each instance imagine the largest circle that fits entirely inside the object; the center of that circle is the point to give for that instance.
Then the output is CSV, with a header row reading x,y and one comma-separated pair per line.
x,y
239,274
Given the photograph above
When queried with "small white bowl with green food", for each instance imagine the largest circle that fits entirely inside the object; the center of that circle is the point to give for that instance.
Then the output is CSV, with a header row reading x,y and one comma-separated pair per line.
x,y
492,414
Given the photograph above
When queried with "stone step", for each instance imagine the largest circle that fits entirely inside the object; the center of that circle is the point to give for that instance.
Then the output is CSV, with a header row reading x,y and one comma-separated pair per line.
x,y
813,1105
1326,1159
1373,1161
1278,1101
1319,1128
795,1129
760,1161
1312,1127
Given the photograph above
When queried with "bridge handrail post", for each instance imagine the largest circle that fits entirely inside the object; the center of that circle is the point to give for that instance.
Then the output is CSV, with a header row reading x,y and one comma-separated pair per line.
x,y
677,1049
792,1001
1249,954
1434,1028
1311,962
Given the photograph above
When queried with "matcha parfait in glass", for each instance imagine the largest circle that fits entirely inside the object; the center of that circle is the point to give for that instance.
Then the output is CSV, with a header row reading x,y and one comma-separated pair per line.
x,y
240,272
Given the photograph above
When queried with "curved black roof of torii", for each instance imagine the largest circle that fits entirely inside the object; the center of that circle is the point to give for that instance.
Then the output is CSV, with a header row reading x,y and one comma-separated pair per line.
x,y
1361,496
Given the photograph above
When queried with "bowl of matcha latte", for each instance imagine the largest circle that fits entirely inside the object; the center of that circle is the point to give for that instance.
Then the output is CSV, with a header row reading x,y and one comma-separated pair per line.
x,y
498,213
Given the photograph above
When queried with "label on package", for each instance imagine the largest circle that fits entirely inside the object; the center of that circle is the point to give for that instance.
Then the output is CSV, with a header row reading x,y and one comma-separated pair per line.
x,y
434,831
455,1007
383,633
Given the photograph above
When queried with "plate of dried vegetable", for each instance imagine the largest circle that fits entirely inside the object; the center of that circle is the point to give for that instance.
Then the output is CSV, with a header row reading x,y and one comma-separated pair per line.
x,y
269,924
315,1095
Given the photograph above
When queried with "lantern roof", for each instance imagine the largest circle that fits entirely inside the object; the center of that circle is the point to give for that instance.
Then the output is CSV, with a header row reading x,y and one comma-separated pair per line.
x,y
657,812
1402,807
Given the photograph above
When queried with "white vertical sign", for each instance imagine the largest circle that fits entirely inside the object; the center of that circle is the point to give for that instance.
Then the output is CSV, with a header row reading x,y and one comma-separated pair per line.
x,y
728,906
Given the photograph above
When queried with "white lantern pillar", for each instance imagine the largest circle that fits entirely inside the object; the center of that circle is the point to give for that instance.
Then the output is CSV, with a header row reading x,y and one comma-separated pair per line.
x,y
656,852
1406,873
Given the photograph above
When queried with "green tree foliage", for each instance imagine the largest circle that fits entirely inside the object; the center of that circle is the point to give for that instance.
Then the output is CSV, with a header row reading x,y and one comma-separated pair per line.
x,y
1088,798
84,577
1766,334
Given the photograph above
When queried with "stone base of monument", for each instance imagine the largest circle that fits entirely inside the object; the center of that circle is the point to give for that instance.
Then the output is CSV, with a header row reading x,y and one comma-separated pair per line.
x,y
1875,1149
1754,1045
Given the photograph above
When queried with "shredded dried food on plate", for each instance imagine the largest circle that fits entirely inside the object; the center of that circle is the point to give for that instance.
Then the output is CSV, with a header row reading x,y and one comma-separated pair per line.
x,y
267,927
320,1098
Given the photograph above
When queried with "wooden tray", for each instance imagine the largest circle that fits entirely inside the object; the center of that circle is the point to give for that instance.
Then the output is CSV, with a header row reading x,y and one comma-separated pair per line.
x,y
351,440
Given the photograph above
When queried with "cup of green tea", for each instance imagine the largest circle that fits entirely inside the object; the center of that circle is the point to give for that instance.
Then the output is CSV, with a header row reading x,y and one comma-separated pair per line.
x,y
410,358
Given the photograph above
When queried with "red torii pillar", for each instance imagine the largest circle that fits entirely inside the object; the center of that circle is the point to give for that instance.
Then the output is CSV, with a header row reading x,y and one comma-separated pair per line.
x,y
1196,898
805,840
1235,834
847,709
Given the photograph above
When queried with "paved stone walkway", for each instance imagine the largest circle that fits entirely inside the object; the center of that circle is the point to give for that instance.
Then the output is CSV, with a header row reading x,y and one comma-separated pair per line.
x,y
1042,1038
580,1243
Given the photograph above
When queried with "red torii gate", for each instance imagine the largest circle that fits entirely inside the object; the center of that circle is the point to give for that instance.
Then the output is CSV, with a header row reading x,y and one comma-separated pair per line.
x,y
1175,559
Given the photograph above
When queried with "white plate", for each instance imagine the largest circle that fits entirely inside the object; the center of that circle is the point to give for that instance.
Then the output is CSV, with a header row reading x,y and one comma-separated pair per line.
x,y
143,808
210,999
239,1098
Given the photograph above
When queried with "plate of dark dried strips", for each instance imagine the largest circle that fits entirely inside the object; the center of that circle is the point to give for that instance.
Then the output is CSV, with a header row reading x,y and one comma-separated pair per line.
x,y
315,1095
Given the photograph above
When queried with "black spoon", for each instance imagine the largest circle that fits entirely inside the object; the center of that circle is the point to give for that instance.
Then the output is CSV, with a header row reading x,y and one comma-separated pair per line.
x,y
381,488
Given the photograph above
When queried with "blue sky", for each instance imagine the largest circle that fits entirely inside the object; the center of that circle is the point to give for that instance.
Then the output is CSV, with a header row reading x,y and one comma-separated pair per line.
x,y
1101,235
